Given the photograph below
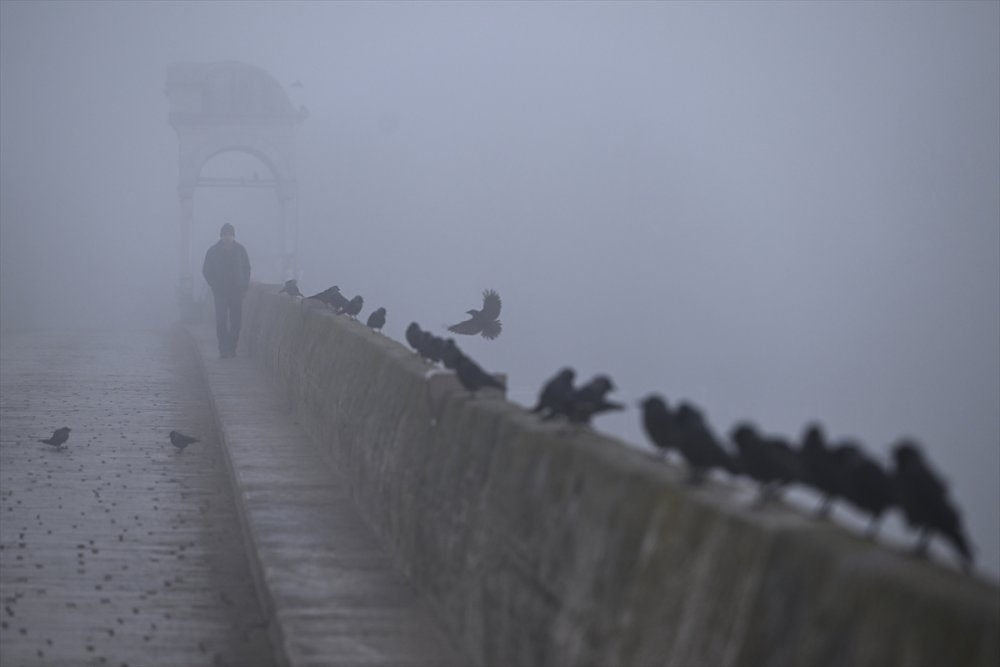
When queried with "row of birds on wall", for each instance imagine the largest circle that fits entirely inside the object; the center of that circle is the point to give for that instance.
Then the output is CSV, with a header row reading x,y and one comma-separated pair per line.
x,y
837,471
484,321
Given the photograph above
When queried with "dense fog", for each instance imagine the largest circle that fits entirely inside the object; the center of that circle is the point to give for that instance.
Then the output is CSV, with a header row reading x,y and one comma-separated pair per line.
x,y
781,211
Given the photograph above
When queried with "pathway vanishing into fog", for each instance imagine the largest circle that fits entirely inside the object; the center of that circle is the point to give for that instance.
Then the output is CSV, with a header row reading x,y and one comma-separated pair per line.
x,y
117,550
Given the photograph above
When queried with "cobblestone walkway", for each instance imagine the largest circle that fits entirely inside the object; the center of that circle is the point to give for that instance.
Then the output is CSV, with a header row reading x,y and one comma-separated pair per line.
x,y
117,549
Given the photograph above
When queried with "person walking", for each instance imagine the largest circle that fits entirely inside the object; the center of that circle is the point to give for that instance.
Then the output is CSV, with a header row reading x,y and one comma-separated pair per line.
x,y
227,271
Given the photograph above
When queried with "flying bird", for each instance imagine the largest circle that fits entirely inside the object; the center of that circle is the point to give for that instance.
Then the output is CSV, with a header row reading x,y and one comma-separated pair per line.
x,y
291,287
483,321
180,441
555,395
59,437
377,319
924,499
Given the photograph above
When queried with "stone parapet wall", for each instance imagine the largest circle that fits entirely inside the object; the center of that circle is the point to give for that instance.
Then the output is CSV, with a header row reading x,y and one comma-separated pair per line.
x,y
542,547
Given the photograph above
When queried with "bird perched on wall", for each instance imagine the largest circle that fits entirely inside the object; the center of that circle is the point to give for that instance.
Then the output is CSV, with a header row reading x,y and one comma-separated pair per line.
x,y
291,288
377,319
483,321
431,347
589,400
556,394
698,445
414,336
451,354
769,461
658,422
863,482
180,441
331,297
819,468
59,437
473,377
352,307
924,499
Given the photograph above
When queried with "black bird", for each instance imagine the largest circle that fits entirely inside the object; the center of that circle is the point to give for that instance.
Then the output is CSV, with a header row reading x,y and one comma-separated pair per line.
x,y
377,319
924,499
474,378
180,441
555,395
331,297
59,437
589,400
863,482
291,287
450,354
414,336
483,321
431,347
698,445
819,468
658,422
769,461
352,307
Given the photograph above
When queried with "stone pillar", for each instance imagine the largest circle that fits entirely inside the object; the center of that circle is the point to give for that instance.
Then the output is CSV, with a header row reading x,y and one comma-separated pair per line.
x,y
288,200
185,288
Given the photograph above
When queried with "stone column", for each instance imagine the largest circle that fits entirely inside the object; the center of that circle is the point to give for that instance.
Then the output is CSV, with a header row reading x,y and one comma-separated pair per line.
x,y
185,287
288,200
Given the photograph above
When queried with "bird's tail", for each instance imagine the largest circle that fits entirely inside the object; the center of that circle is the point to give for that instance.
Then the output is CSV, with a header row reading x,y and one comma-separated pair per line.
x,y
492,329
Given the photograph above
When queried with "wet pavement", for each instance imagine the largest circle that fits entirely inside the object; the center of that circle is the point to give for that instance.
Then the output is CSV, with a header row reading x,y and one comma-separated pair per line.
x,y
117,549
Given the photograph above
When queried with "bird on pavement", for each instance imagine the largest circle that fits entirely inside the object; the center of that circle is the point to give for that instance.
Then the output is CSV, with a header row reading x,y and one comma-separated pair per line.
x,y
59,437
291,288
180,441
556,393
483,321
924,499
377,319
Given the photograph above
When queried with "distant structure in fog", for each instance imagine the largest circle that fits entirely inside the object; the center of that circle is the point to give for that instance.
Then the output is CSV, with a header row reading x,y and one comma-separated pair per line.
x,y
232,107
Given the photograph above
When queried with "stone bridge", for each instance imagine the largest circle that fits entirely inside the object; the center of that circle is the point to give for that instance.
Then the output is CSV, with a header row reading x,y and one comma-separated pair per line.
x,y
346,507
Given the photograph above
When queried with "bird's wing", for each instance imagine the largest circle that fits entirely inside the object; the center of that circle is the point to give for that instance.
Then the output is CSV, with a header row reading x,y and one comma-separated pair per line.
x,y
492,329
491,305
468,327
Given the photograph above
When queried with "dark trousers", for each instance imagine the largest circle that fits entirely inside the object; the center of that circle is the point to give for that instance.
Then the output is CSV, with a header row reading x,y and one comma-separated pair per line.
x,y
228,318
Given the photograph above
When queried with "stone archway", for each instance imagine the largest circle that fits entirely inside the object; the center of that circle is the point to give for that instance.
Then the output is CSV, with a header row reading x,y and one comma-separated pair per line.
x,y
231,106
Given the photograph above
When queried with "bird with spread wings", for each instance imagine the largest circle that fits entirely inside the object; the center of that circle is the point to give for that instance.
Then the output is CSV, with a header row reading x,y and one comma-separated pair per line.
x,y
483,321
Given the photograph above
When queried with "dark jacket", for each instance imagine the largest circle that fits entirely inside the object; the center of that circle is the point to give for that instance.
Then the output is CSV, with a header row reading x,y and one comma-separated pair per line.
x,y
227,271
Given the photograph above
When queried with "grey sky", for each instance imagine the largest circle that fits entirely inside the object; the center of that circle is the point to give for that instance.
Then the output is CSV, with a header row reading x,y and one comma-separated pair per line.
x,y
782,211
